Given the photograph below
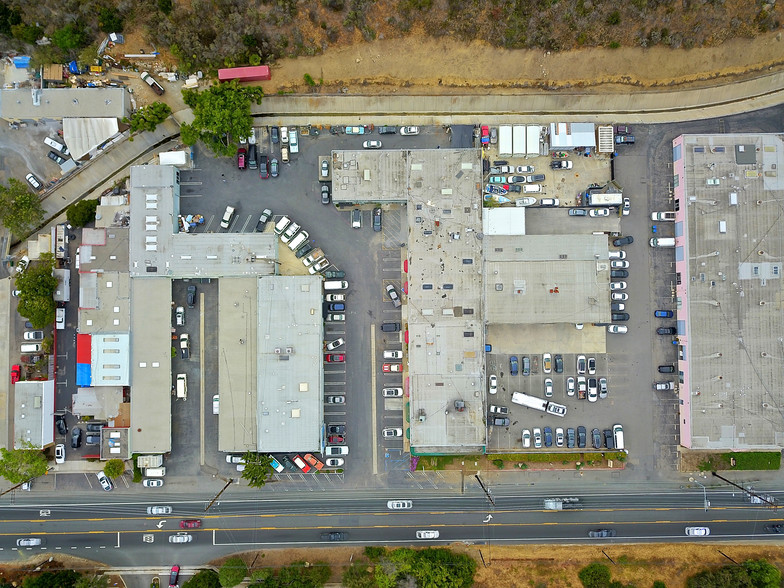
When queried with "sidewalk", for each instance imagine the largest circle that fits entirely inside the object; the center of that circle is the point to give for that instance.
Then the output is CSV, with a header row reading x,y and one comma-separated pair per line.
x,y
529,106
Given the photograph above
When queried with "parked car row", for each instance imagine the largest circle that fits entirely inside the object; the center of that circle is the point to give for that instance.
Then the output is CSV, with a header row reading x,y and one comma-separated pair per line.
x,y
611,439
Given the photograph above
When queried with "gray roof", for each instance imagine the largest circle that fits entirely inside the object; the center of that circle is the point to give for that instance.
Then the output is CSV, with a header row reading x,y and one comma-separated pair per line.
x,y
290,385
731,260
374,175
568,135
33,409
151,376
101,403
59,103
544,279
157,248
104,303
445,307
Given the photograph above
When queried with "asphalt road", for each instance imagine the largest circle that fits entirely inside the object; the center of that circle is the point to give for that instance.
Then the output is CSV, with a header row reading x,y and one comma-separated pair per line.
x,y
120,528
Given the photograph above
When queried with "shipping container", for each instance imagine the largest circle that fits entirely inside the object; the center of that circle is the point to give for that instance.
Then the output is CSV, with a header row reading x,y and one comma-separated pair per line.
x,y
245,74
505,140
532,139
518,141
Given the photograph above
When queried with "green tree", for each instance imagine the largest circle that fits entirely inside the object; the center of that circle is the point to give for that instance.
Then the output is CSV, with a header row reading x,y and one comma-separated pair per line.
x,y
61,579
20,465
232,572
258,469
110,20
165,6
114,468
94,581
763,574
37,285
87,57
595,575
658,584
358,575
20,209
71,36
203,579
442,567
81,213
8,17
147,118
304,575
221,115
26,33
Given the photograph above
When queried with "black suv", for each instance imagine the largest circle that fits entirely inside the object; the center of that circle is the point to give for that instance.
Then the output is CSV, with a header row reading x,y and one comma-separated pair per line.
x,y
274,135
558,364
666,369
62,428
390,327
387,130
666,331
620,316
619,273
623,241
191,296
76,438
581,437
376,219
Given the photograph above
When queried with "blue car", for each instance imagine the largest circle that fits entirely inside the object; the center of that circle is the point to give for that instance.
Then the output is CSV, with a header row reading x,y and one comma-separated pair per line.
x,y
663,314
336,307
548,437
513,365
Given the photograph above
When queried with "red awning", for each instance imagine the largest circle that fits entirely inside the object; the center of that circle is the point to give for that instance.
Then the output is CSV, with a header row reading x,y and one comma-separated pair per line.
x,y
405,265
406,337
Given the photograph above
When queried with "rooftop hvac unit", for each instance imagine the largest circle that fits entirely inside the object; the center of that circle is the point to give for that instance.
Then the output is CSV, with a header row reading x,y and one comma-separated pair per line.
x,y
277,350
289,350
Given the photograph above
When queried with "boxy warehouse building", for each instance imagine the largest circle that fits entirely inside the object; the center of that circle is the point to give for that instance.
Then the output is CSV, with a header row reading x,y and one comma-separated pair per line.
x,y
728,264
268,346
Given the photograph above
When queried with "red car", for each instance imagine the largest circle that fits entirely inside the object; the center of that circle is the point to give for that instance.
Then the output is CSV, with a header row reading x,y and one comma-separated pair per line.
x,y
334,358
392,367
242,158
190,524
313,461
175,572
334,439
485,135
16,373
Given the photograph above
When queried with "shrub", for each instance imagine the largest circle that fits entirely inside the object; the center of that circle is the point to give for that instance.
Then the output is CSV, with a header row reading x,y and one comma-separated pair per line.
x,y
309,80
595,575
614,18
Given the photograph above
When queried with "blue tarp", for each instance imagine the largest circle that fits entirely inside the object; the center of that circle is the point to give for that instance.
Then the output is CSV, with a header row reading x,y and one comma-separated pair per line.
x,y
84,376
21,61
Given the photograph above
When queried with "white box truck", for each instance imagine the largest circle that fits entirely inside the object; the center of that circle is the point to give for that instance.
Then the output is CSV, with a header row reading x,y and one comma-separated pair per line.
x,y
663,242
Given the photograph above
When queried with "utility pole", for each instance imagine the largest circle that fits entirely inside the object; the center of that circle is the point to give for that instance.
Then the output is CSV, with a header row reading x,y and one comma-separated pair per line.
x,y
222,490
745,491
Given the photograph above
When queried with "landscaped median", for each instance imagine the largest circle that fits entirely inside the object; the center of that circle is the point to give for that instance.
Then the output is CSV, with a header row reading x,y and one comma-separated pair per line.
x,y
712,461
526,461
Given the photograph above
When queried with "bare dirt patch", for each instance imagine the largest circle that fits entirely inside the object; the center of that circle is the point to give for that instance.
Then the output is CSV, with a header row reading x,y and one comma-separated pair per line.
x,y
416,64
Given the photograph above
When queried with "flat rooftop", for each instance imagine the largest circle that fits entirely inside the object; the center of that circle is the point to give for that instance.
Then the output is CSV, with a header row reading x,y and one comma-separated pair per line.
x,y
370,175
730,259
445,307
543,279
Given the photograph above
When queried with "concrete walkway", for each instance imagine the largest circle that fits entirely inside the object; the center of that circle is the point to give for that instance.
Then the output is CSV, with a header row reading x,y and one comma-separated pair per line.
x,y
535,106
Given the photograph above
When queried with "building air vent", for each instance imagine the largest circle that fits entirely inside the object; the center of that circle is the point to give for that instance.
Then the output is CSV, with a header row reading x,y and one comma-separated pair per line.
x,y
289,350
277,351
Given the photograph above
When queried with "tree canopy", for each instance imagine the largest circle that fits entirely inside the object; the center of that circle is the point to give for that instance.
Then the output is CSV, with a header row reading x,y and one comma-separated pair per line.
x,y
82,212
232,572
20,209
203,579
147,118
221,116
20,465
435,567
258,469
751,574
300,574
37,285
114,468
60,579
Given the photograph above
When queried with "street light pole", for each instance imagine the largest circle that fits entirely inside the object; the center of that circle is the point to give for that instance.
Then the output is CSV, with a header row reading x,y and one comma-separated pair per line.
x,y
704,494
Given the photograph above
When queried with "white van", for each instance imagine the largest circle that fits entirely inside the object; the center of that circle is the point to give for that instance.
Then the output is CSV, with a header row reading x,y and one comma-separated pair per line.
x,y
284,154
57,145
155,472
284,135
618,435
59,317
293,142
227,216
281,225
182,386
336,285
532,188
31,348
302,237
549,202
